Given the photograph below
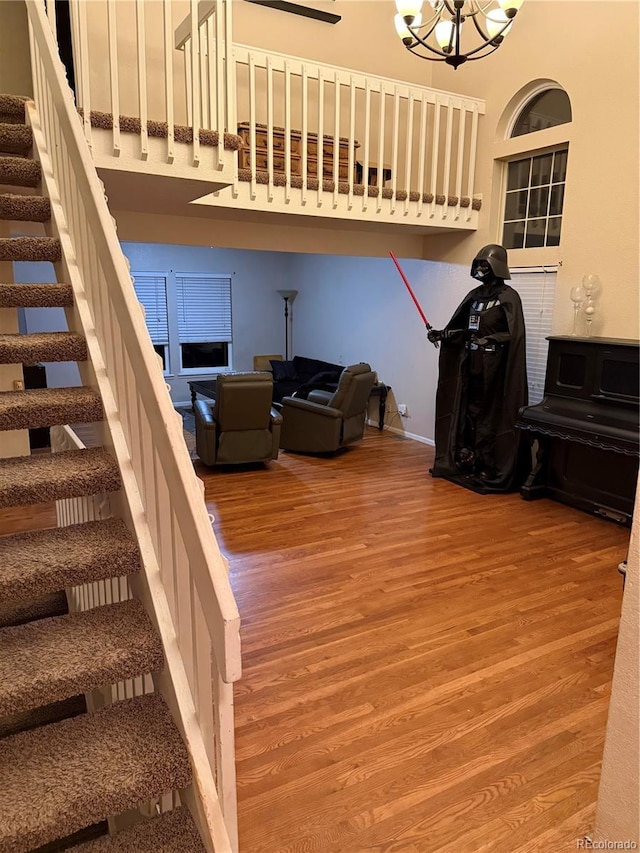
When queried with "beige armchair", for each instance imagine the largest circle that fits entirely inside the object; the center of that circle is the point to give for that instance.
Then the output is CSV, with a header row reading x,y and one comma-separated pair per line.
x,y
327,421
240,425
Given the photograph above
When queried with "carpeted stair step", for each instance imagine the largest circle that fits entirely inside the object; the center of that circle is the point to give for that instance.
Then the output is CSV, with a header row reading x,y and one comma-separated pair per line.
x,y
42,561
43,407
12,108
42,346
15,138
20,172
25,208
50,477
39,606
40,295
173,832
44,715
60,778
30,249
52,659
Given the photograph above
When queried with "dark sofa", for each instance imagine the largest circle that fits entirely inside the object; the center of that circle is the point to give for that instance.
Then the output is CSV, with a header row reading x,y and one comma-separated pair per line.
x,y
302,375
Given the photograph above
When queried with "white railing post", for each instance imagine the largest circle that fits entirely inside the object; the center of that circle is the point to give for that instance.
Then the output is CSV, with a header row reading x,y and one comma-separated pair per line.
x,y
252,124
320,138
472,159
447,156
142,79
304,131
381,129
336,138
195,82
434,156
168,79
269,70
287,131
408,156
112,29
83,78
352,139
394,153
460,160
228,61
367,129
211,75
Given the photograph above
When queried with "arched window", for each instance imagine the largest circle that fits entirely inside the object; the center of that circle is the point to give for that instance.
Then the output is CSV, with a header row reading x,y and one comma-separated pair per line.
x,y
534,190
546,109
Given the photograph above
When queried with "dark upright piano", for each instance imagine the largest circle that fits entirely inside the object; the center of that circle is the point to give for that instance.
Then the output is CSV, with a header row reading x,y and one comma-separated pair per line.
x,y
587,426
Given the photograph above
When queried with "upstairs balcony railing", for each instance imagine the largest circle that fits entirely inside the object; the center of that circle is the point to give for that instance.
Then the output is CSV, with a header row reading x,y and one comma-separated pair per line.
x,y
310,138
334,137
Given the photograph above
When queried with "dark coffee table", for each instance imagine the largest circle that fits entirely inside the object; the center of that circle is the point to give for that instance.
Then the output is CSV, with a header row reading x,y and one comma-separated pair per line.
x,y
204,387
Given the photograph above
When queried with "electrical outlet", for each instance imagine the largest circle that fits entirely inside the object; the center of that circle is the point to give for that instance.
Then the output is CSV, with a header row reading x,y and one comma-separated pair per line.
x,y
402,410
18,385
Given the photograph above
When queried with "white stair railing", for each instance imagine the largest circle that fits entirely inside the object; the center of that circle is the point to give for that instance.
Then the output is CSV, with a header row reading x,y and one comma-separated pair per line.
x,y
186,577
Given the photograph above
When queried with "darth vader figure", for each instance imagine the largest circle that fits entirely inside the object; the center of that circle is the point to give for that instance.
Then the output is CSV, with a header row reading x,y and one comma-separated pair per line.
x,y
482,383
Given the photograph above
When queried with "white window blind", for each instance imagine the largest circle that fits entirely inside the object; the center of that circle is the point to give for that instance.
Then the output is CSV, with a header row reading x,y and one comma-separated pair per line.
x,y
537,289
203,307
151,291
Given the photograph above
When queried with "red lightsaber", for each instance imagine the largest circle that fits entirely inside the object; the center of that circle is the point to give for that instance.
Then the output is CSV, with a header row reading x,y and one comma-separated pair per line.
x,y
413,296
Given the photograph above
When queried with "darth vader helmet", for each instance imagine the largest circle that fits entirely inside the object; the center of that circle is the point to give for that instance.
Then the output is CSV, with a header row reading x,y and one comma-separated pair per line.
x,y
496,257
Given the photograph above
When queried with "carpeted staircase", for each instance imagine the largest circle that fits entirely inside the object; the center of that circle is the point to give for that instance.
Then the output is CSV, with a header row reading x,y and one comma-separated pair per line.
x,y
63,769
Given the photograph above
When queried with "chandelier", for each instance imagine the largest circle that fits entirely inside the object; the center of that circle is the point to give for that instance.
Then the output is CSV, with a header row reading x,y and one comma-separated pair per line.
x,y
446,21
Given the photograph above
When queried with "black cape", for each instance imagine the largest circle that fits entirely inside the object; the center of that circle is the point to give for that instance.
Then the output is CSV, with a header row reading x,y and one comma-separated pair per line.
x,y
505,379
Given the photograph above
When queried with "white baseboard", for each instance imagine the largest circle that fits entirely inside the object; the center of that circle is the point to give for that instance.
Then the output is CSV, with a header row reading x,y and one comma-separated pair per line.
x,y
403,433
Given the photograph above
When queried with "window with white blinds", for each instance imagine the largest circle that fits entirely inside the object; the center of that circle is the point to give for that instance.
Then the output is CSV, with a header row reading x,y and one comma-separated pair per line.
x,y
203,308
537,289
151,290
188,316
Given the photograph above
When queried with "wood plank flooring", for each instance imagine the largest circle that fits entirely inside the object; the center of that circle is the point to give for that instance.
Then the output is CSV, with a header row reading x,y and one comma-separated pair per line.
x,y
426,670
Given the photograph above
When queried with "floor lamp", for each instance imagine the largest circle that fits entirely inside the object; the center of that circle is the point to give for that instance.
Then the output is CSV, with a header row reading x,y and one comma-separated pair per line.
x,y
288,296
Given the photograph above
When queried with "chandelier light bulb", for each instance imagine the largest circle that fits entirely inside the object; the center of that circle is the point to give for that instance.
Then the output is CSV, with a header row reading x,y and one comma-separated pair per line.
x,y
498,24
445,32
409,9
402,27
510,7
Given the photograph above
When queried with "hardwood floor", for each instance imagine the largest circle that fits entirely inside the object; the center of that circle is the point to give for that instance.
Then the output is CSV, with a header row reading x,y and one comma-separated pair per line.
x,y
426,670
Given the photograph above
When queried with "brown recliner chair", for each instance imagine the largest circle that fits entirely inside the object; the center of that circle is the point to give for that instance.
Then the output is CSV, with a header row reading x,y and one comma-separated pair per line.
x,y
326,422
240,425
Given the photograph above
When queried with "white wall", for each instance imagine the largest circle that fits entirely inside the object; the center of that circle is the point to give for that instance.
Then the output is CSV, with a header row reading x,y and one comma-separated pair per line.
x,y
358,309
258,311
15,70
